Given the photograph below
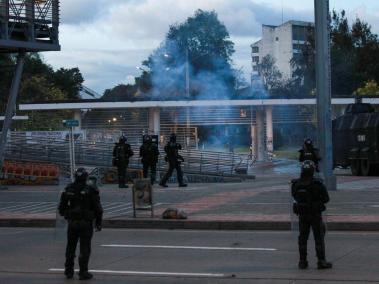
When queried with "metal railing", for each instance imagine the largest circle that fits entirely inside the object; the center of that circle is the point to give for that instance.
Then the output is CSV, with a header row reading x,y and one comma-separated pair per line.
x,y
99,154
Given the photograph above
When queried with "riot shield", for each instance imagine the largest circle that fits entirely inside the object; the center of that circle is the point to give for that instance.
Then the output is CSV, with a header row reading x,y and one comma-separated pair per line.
x,y
293,217
60,222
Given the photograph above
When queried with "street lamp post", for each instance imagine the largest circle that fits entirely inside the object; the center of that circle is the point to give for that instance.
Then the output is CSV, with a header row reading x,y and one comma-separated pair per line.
x,y
323,87
188,120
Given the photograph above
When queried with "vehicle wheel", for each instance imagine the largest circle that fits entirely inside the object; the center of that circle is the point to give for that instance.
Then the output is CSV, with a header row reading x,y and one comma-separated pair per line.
x,y
366,167
355,167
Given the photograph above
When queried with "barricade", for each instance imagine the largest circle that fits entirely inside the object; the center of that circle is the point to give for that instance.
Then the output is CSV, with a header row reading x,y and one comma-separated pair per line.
x,y
29,173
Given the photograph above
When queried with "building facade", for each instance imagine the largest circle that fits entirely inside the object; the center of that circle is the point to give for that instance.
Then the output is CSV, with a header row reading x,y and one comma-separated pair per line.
x,y
282,43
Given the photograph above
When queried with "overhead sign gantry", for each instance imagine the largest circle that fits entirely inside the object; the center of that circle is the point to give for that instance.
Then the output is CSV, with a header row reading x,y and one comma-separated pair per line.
x,y
25,26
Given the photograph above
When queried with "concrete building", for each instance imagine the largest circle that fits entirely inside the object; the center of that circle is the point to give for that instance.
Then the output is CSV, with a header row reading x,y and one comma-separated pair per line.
x,y
282,43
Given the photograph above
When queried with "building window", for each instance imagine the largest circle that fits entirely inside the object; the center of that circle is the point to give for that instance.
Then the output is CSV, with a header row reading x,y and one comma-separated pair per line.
x,y
256,59
277,38
255,68
255,49
299,33
297,47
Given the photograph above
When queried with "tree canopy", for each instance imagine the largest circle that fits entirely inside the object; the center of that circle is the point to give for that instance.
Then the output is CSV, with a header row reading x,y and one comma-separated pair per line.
x,y
40,83
202,41
354,57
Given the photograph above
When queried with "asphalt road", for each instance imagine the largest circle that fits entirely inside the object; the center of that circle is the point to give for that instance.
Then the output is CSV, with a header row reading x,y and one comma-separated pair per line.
x,y
160,256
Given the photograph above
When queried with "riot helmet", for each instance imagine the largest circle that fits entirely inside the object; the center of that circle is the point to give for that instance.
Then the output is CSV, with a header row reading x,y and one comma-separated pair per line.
x,y
81,175
308,142
173,138
308,168
148,139
122,139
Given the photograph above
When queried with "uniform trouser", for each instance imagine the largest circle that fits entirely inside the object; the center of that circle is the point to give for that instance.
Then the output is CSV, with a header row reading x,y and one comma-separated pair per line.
x,y
153,171
78,231
306,222
171,168
121,171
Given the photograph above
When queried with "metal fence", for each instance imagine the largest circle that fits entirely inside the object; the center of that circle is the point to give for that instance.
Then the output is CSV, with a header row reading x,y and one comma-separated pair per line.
x,y
99,155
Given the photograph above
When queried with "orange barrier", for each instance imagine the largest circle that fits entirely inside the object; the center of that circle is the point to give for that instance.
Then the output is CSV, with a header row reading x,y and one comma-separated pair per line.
x,y
30,169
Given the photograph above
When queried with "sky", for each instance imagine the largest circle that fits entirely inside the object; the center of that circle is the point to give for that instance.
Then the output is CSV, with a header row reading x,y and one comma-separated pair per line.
x,y
108,39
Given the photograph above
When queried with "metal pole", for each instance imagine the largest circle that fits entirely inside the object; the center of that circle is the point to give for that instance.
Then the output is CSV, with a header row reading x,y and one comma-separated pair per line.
x,y
11,106
323,86
71,157
73,149
188,122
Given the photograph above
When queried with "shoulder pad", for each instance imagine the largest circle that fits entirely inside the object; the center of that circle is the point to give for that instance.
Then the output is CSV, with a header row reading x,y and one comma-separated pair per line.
x,y
318,181
93,189
69,187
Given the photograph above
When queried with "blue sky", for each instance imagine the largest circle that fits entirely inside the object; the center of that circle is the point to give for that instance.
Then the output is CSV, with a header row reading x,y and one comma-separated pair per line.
x,y
107,39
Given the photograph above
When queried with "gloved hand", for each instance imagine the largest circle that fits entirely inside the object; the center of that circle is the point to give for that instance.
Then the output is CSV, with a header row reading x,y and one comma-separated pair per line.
x,y
98,228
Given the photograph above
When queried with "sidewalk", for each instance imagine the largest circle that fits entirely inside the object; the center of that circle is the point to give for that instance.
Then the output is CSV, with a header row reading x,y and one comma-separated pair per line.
x,y
263,203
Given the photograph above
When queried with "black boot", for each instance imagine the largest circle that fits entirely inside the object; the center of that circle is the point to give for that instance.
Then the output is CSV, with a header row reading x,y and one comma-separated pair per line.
x,y
163,184
303,264
85,275
69,273
182,185
323,264
69,267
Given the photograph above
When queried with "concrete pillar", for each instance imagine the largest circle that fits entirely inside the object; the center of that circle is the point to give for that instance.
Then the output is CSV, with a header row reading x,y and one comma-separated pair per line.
x,y
260,134
78,117
269,132
154,121
254,140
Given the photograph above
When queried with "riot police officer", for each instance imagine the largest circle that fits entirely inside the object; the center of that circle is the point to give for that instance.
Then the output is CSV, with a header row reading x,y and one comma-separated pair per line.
x,y
310,197
149,153
174,160
80,205
309,152
121,154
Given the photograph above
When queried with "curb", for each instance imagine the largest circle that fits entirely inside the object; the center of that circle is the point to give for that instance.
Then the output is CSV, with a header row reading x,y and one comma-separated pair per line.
x,y
194,225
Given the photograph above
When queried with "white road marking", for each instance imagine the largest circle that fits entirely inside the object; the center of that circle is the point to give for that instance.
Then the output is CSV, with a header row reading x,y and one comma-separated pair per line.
x,y
190,247
150,273
26,207
118,210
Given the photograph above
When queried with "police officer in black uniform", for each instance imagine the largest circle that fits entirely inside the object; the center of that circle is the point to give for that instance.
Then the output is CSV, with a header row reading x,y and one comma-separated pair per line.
x,y
80,205
310,197
174,160
149,153
121,154
309,152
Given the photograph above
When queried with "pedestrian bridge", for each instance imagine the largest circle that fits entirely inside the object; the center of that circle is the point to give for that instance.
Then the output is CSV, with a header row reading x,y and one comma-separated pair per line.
x,y
184,116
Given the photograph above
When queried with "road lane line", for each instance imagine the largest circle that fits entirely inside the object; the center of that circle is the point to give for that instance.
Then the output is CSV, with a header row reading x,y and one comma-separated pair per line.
x,y
118,210
150,273
115,204
27,207
189,247
45,209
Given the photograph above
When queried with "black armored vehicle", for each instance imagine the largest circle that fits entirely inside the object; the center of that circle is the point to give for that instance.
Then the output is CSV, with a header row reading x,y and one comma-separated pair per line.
x,y
356,139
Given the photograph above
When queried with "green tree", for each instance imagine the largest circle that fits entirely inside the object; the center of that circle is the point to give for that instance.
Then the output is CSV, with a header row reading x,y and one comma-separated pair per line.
x,y
370,88
121,93
69,81
270,74
205,42
354,57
